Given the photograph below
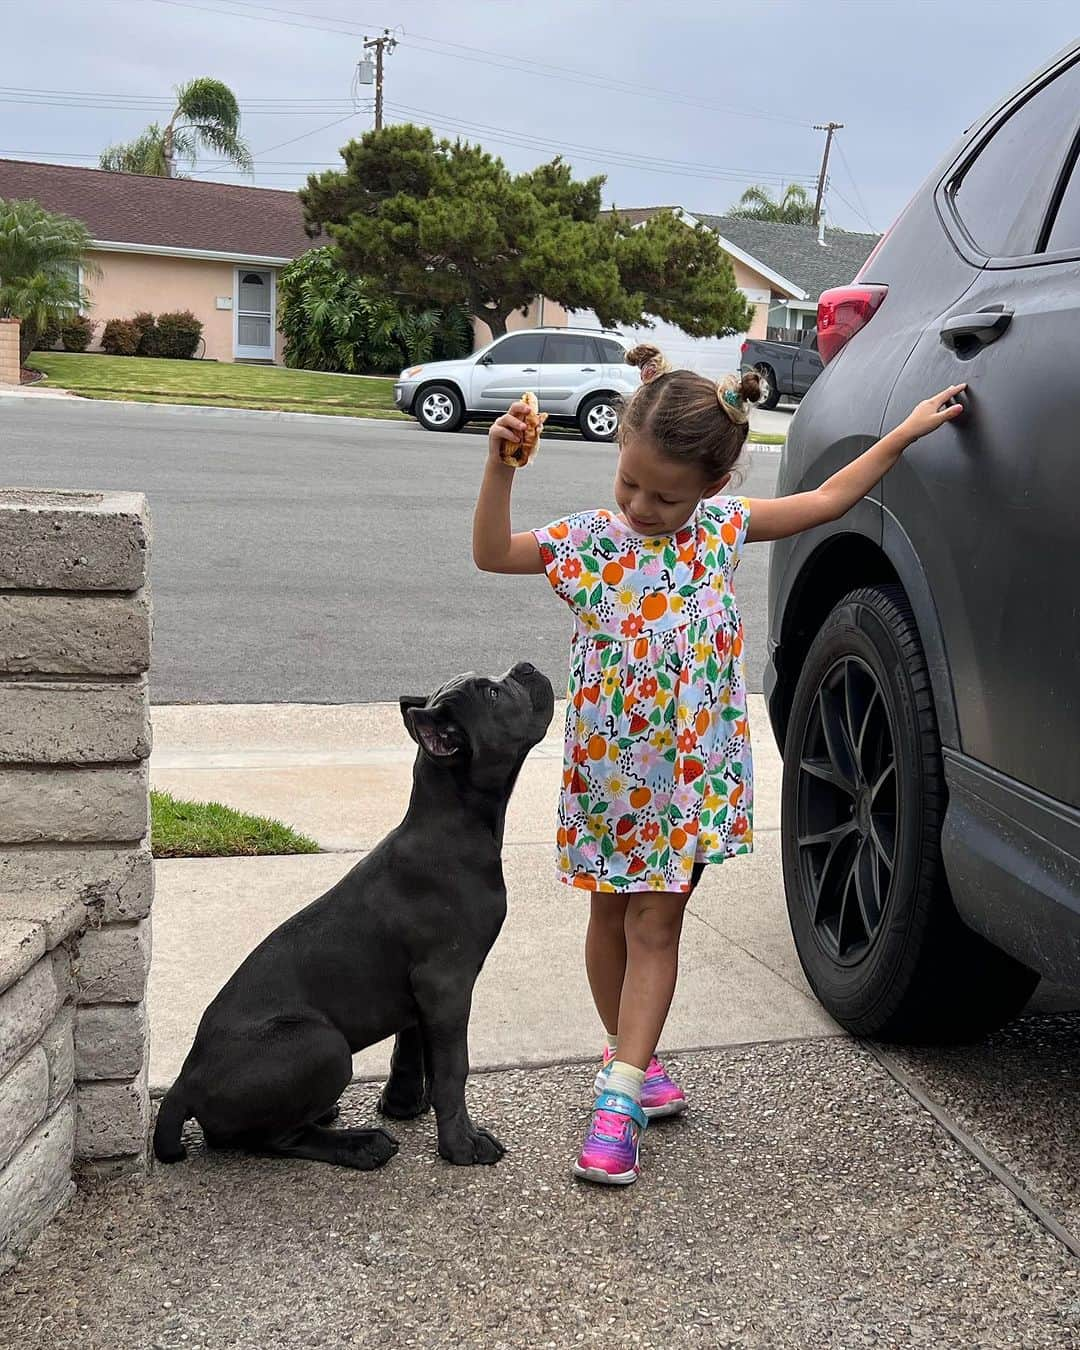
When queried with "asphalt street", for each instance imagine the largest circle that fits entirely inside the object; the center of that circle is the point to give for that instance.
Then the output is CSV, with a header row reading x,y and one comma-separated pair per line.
x,y
327,560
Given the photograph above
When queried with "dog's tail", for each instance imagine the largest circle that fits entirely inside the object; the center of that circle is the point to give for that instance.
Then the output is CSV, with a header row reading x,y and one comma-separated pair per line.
x,y
168,1146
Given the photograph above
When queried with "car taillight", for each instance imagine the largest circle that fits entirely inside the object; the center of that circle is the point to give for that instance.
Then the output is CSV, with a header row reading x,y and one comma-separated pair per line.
x,y
742,349
842,312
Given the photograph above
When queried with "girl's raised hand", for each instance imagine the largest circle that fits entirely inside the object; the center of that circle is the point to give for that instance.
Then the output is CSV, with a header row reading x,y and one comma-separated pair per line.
x,y
932,412
509,427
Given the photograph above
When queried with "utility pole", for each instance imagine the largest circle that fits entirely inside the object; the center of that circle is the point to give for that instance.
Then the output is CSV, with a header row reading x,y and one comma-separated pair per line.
x,y
386,44
829,128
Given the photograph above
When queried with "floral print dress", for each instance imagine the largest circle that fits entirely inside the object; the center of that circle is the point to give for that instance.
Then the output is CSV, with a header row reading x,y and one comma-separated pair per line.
x,y
657,774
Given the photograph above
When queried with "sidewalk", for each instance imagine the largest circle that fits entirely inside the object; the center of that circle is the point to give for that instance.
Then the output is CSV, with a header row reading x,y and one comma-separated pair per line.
x,y
342,774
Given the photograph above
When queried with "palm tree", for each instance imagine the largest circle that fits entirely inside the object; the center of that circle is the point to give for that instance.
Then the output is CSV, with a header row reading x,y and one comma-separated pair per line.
x,y
793,208
40,255
206,116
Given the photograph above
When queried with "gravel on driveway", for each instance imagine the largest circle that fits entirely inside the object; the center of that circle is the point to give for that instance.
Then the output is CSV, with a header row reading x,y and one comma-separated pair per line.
x,y
805,1201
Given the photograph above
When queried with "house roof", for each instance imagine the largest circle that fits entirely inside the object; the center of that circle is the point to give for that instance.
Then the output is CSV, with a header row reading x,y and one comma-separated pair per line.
x,y
794,249
789,252
165,214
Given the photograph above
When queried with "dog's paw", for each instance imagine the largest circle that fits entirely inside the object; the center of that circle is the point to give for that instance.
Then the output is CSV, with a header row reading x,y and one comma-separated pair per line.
x,y
401,1108
479,1146
328,1117
372,1149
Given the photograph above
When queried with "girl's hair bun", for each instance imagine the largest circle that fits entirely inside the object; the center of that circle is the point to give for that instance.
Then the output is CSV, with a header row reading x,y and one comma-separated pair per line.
x,y
649,360
642,354
750,386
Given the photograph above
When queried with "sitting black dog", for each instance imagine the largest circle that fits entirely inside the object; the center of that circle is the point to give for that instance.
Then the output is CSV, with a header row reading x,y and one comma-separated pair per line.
x,y
393,949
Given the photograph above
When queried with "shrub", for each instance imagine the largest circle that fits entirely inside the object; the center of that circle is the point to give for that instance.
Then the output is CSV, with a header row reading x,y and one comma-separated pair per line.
x,y
76,333
120,338
145,322
48,336
178,335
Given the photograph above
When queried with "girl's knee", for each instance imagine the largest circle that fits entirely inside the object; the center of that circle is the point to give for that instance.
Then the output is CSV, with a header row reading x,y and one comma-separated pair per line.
x,y
655,921
608,911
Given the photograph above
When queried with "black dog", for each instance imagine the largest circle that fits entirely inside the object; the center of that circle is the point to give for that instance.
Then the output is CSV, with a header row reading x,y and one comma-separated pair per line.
x,y
393,949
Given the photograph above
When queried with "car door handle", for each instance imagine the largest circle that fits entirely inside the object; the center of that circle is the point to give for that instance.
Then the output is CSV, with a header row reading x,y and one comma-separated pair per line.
x,y
971,331
528,370
588,370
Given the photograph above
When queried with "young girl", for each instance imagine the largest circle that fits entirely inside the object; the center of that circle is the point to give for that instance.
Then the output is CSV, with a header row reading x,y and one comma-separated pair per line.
x,y
657,778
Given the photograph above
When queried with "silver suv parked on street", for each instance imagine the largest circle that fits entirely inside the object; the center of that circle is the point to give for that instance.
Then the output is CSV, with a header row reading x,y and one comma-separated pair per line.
x,y
579,375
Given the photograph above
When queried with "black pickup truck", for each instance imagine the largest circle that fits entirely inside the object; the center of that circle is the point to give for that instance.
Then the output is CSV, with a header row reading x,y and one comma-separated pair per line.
x,y
788,368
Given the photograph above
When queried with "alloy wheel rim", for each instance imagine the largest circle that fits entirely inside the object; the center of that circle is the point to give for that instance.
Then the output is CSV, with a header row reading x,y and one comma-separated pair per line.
x,y
602,419
847,811
438,408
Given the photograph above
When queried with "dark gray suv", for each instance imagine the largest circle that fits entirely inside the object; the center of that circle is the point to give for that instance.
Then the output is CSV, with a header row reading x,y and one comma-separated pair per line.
x,y
924,671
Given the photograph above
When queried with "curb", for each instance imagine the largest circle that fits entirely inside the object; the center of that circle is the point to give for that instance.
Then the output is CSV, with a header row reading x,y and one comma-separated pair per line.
x,y
213,411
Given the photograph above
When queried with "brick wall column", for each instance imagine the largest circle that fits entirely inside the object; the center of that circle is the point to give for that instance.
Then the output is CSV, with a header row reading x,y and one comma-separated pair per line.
x,y
76,874
9,351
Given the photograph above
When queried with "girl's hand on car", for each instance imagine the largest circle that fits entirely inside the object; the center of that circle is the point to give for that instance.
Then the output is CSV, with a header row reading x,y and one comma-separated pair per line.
x,y
932,412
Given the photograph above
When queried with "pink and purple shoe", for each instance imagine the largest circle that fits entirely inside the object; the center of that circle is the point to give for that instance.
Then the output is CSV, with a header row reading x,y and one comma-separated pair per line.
x,y
610,1152
660,1094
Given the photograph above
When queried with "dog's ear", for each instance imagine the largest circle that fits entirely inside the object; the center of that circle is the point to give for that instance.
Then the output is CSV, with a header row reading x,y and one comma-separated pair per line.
x,y
434,731
407,702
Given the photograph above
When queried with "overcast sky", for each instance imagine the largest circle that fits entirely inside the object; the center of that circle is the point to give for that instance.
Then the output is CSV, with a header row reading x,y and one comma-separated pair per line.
x,y
679,102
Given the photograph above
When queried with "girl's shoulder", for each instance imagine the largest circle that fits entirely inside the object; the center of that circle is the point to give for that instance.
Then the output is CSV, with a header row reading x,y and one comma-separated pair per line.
x,y
580,528
726,509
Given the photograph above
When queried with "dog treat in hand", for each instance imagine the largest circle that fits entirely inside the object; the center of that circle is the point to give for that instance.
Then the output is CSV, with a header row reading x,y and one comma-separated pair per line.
x,y
519,455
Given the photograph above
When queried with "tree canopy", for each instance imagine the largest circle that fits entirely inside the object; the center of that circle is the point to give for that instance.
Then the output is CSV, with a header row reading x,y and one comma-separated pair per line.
x,y
793,208
429,222
206,115
40,255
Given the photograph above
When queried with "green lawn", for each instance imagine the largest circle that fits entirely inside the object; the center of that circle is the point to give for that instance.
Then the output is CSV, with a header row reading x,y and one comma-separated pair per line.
x,y
217,384
210,830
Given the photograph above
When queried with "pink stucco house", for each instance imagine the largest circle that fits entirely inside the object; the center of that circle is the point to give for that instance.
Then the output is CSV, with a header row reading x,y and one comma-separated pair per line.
x,y
178,243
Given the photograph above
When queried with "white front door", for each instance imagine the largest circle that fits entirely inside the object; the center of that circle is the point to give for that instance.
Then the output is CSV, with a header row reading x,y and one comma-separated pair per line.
x,y
254,305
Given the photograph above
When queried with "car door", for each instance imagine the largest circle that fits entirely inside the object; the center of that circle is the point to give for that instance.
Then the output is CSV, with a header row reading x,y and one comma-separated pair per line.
x,y
807,366
507,370
990,502
571,363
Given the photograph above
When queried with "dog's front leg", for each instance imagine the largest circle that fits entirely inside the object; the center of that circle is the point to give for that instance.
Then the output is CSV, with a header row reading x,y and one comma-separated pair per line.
x,y
445,1028
406,1094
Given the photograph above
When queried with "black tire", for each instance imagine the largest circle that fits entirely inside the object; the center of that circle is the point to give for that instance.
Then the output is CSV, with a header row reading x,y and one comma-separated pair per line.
x,y
439,407
874,925
598,417
769,399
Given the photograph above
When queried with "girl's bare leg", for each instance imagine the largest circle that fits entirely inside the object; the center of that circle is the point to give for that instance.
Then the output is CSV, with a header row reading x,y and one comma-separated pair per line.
x,y
605,955
653,927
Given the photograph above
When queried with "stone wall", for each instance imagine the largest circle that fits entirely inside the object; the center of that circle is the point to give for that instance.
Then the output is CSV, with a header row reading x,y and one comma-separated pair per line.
x,y
76,874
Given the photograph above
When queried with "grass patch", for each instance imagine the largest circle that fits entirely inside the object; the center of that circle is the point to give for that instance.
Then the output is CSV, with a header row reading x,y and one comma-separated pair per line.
x,y
210,830
218,384
765,438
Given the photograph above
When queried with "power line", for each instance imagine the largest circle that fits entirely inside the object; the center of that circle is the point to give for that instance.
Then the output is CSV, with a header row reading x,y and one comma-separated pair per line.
x,y
863,214
500,60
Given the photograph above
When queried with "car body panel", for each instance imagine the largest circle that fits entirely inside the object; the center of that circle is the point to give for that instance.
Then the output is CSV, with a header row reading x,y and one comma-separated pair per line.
x,y
978,524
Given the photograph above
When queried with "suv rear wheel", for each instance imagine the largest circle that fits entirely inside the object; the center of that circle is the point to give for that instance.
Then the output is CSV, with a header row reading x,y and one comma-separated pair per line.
x,y
440,407
598,418
862,807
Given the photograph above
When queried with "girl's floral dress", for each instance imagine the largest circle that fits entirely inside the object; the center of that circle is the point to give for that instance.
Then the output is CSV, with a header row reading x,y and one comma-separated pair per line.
x,y
657,773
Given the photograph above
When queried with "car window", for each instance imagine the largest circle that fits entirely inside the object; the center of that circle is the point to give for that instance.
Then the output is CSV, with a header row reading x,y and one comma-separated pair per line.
x,y
612,352
520,349
1066,229
570,349
1004,192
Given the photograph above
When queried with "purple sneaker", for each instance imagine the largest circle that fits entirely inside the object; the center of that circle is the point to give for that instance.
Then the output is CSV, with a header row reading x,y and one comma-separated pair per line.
x,y
610,1152
660,1094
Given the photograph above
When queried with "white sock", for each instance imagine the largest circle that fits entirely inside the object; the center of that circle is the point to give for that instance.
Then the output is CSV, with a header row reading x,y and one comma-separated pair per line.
x,y
625,1078
612,1042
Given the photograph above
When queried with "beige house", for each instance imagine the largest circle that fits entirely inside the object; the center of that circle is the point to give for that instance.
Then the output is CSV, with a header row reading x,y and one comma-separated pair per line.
x,y
165,244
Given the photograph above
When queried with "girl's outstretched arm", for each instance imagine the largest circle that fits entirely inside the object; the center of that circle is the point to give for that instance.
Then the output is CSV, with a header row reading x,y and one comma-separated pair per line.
x,y
779,517
495,548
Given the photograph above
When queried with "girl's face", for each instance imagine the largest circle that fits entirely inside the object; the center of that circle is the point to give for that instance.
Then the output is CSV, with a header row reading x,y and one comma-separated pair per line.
x,y
655,493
